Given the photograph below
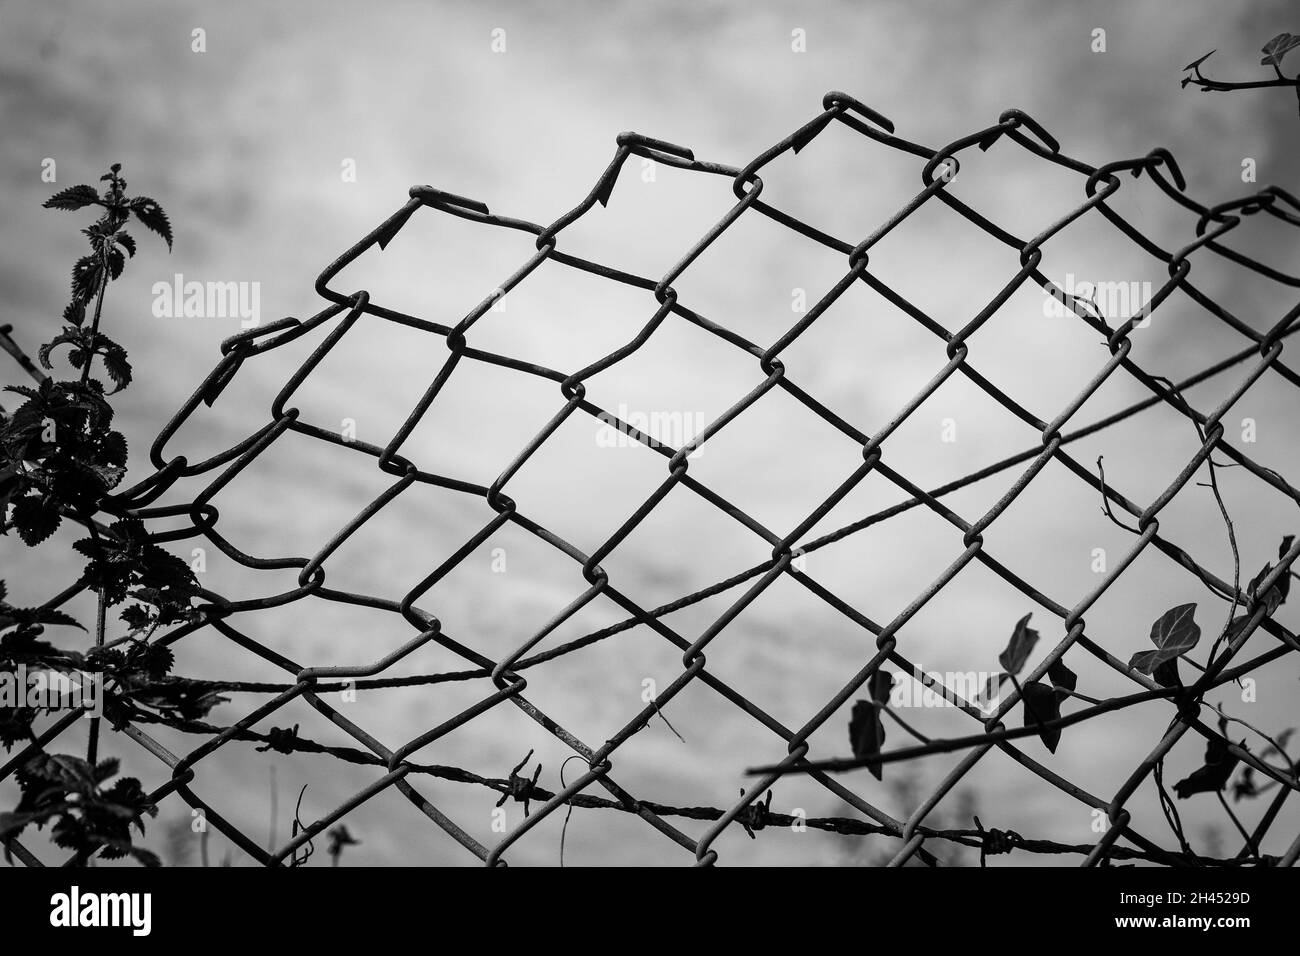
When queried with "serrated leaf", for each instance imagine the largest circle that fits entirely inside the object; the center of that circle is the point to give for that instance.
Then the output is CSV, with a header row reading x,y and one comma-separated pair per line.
x,y
116,263
74,313
113,449
117,367
34,519
136,617
45,615
87,275
152,217
126,241
74,197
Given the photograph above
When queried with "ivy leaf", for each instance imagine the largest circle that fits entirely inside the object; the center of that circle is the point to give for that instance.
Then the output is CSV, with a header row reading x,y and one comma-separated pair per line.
x,y
882,682
340,837
1062,678
152,217
1197,62
1213,776
1279,748
1043,705
1022,642
1277,48
1285,546
1166,674
867,734
74,197
1277,594
1174,634
1013,657
866,730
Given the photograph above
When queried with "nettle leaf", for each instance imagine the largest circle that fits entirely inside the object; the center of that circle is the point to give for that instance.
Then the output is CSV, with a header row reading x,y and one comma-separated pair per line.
x,y
1277,48
1174,634
15,728
36,615
113,449
116,365
152,217
126,241
35,519
1043,705
67,336
74,313
87,276
87,818
866,730
116,263
178,697
137,617
74,197
1213,777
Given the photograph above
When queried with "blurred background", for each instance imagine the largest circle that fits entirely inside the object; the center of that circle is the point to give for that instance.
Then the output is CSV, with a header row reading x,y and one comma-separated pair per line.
x,y
300,126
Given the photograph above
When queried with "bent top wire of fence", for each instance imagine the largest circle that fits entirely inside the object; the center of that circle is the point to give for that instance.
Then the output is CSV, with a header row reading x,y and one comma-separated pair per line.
x,y
506,679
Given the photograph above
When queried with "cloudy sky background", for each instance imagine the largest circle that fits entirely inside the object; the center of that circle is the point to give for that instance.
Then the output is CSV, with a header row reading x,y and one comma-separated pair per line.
x,y
244,145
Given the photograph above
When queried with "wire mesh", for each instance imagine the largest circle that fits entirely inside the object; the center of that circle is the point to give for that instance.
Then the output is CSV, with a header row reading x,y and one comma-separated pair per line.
x,y
506,678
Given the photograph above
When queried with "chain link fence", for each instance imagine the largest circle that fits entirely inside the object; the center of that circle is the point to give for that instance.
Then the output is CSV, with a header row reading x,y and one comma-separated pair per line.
x,y
505,681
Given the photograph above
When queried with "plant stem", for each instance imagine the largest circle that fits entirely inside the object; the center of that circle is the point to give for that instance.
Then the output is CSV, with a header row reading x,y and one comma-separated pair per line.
x,y
94,323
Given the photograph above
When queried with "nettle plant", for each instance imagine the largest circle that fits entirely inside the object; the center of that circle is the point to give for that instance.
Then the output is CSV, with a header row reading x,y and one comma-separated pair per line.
x,y
60,460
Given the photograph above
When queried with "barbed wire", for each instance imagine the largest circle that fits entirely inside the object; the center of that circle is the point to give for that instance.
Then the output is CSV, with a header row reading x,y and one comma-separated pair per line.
x,y
507,674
